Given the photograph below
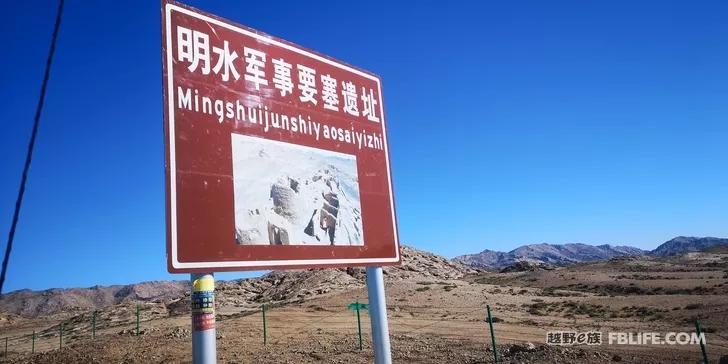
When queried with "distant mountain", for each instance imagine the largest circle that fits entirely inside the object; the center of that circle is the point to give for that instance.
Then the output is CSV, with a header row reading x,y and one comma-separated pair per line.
x,y
549,254
553,254
278,287
686,244
33,303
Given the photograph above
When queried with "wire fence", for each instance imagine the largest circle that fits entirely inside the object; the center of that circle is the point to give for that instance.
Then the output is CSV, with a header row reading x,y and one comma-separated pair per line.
x,y
81,327
279,325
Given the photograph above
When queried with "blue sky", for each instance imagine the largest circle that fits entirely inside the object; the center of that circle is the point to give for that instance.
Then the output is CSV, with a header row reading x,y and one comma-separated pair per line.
x,y
510,123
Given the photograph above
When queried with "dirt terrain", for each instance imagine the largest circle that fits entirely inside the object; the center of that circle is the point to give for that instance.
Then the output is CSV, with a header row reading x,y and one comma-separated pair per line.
x,y
436,313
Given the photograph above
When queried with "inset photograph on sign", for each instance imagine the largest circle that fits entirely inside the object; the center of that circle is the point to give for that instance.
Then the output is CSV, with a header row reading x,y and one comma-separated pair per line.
x,y
288,194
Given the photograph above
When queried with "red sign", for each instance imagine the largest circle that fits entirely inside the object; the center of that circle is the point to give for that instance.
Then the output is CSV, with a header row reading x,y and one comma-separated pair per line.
x,y
276,156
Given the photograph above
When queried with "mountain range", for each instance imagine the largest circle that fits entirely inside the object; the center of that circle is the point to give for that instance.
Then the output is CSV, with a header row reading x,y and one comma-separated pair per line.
x,y
290,286
684,244
562,254
275,287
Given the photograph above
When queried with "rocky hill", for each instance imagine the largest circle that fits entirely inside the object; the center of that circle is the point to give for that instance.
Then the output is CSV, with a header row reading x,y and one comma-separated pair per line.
x,y
553,254
274,287
684,244
296,285
418,264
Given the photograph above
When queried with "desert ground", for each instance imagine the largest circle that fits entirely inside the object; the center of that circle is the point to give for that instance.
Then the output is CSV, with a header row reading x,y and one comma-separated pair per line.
x,y
436,314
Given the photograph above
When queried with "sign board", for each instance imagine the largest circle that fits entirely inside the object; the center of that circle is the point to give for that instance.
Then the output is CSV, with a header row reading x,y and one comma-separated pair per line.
x,y
354,306
276,156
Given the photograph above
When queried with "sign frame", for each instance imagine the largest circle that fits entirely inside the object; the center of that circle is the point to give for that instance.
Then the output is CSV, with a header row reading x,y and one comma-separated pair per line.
x,y
174,264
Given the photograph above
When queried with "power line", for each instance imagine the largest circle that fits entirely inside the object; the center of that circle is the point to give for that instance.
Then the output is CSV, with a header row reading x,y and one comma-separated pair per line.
x,y
31,144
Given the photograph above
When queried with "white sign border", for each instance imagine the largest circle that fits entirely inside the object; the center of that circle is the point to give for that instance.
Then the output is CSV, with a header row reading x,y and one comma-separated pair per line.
x,y
176,264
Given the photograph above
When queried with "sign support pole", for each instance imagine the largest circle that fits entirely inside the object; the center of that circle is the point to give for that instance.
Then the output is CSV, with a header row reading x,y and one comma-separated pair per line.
x,y
204,346
358,323
378,316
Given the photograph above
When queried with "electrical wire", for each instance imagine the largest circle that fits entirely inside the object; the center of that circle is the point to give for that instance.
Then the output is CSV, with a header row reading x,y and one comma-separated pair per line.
x,y
31,144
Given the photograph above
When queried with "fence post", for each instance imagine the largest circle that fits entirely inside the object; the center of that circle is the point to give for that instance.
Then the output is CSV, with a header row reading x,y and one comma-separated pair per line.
x,y
93,325
137,320
492,334
702,342
32,348
60,336
358,323
265,328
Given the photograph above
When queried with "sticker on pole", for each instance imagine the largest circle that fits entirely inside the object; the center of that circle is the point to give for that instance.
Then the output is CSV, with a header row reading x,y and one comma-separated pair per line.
x,y
276,156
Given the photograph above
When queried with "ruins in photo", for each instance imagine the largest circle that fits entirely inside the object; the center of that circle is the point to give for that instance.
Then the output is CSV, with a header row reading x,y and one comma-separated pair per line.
x,y
288,194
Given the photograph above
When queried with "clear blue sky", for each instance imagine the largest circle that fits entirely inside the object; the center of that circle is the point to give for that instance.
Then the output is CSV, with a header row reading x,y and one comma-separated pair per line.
x,y
510,123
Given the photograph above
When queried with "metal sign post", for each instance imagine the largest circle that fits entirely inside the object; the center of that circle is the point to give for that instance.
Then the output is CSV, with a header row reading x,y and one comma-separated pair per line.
x,y
358,307
378,315
204,347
